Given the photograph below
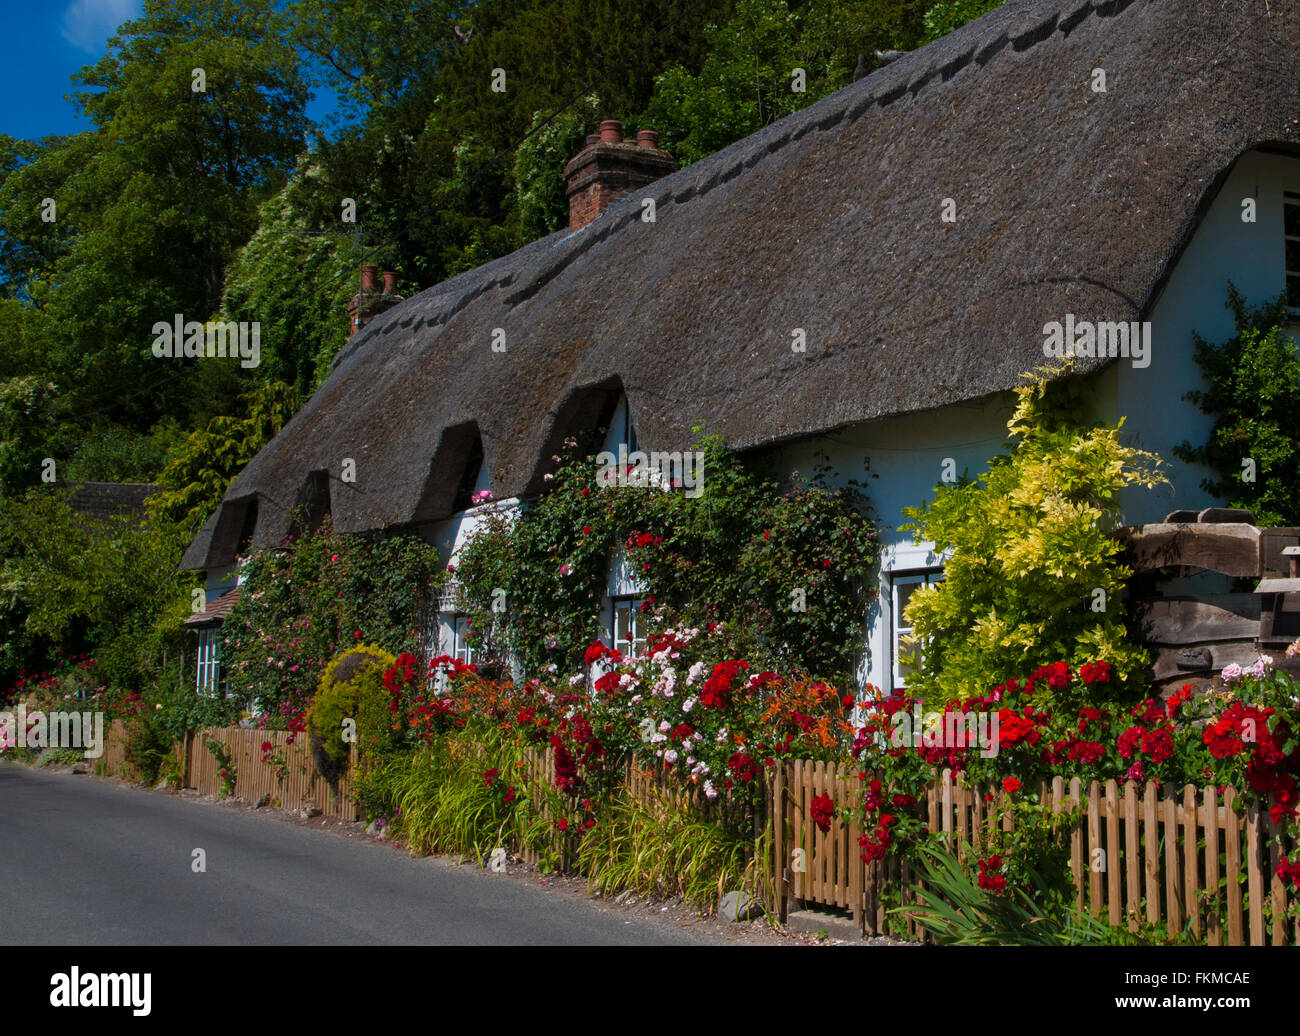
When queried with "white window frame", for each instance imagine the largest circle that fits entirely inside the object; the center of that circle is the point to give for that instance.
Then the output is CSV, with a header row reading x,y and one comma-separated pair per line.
x,y
925,577
633,645
462,650
209,680
1290,200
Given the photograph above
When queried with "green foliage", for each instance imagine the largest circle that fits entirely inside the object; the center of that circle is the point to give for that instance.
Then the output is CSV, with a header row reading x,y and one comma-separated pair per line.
x,y
204,465
109,583
220,751
351,690
746,81
147,746
956,911
305,601
152,202
737,553
540,184
1027,544
441,800
60,757
948,15
185,712
662,847
294,277
744,84
26,427
1254,380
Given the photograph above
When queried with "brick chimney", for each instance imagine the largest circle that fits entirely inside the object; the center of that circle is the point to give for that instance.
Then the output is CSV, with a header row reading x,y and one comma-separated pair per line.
x,y
372,300
610,167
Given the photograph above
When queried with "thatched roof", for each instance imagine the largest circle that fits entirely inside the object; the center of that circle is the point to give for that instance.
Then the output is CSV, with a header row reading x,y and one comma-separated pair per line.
x,y
829,220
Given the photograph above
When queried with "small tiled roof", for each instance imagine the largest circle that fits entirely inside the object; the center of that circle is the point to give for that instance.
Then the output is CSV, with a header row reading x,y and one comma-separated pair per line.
x,y
101,500
214,613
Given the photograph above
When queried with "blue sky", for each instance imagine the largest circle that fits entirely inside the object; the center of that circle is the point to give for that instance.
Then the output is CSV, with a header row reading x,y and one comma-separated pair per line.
x,y
46,41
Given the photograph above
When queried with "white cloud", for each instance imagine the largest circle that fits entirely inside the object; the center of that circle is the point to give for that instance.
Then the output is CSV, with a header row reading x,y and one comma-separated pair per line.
x,y
87,24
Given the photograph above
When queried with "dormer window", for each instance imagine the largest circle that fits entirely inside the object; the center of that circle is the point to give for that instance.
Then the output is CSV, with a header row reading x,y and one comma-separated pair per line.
x,y
474,486
622,432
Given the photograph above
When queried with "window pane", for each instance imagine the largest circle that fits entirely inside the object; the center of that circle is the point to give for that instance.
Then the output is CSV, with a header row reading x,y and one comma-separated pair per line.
x,y
1291,217
463,649
1293,256
1293,292
904,595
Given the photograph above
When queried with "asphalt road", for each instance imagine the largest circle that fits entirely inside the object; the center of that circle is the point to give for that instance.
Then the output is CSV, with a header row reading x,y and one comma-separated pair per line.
x,y
84,862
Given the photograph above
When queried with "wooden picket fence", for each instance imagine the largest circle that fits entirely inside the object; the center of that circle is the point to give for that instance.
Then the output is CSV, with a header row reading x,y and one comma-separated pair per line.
x,y
1188,858
1136,855
254,778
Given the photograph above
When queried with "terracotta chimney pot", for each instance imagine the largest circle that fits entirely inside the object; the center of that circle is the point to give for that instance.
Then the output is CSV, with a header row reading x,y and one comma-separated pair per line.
x,y
607,169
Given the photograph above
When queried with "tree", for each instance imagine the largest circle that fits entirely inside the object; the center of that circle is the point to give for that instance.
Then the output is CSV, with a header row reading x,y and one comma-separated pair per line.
x,y
1028,545
747,78
948,15
110,585
150,204
294,278
201,470
1254,382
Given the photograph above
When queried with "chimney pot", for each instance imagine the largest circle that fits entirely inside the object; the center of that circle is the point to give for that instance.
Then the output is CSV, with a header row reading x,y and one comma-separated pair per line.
x,y
369,302
592,138
597,177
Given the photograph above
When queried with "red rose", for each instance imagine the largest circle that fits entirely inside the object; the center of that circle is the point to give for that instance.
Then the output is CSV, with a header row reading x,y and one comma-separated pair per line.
x,y
1010,784
822,809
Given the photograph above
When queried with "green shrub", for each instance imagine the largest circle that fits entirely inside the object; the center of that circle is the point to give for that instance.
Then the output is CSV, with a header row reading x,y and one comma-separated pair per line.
x,y
734,554
1254,379
226,772
185,711
1029,552
146,747
957,911
305,602
61,757
351,689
